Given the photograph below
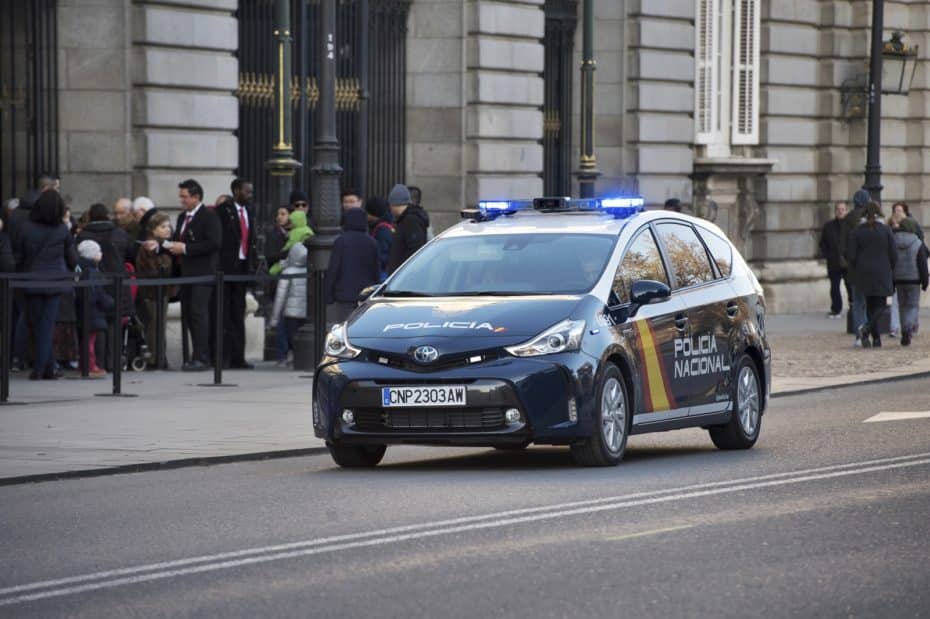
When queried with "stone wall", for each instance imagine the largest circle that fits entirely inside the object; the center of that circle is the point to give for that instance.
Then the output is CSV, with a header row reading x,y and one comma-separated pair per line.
x,y
95,159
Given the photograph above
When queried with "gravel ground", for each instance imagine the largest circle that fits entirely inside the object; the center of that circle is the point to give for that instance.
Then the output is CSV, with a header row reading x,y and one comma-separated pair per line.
x,y
833,354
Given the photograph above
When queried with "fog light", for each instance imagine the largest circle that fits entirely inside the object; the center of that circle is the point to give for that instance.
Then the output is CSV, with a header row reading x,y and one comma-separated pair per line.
x,y
512,415
348,416
572,410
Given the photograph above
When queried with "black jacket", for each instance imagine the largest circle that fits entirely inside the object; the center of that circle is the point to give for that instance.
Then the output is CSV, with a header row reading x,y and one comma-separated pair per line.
x,y
382,231
275,239
232,237
45,249
847,229
409,236
353,265
830,244
203,238
7,264
872,255
113,241
99,302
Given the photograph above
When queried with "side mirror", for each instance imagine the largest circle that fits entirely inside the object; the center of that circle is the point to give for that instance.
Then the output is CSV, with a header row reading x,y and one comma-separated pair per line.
x,y
367,292
647,291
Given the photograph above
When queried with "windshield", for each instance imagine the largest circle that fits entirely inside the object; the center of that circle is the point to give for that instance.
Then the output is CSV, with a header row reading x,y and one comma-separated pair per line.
x,y
504,264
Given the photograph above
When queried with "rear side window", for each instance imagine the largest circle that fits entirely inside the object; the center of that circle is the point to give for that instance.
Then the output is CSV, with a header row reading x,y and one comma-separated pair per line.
x,y
720,250
641,261
686,253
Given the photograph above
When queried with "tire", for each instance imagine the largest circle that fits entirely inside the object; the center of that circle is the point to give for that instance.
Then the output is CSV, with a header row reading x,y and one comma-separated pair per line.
x,y
605,447
138,364
742,431
357,456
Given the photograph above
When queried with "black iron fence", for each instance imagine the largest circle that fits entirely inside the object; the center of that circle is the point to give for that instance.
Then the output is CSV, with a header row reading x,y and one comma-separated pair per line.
x,y
28,93
561,19
118,283
370,91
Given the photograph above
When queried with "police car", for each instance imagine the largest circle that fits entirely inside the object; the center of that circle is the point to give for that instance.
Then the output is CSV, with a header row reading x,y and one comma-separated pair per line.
x,y
551,321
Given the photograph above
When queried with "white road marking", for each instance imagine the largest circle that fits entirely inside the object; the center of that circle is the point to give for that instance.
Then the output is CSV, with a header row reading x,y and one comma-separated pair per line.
x,y
897,416
118,577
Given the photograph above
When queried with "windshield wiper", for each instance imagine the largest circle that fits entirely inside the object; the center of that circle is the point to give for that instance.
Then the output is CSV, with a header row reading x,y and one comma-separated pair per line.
x,y
494,293
406,293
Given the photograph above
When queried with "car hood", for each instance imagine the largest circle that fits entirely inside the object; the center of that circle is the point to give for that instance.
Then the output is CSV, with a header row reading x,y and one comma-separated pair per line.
x,y
456,324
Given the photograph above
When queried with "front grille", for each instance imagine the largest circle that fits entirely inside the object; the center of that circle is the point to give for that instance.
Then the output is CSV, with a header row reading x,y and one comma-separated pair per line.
x,y
380,420
404,362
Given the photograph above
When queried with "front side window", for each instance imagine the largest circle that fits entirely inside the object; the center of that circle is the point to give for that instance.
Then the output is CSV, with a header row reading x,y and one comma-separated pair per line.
x,y
641,261
686,254
504,264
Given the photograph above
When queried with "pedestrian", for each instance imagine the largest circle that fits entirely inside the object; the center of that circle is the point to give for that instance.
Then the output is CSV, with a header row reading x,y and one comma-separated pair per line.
x,y
154,262
673,204
64,340
237,257
381,228
298,233
276,236
123,218
910,277
836,263
904,207
350,198
115,244
299,202
7,264
353,265
45,247
872,256
290,302
196,245
410,228
851,222
99,304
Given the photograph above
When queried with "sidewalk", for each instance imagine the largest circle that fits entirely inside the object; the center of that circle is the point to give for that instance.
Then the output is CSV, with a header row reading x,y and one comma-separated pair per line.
x,y
63,427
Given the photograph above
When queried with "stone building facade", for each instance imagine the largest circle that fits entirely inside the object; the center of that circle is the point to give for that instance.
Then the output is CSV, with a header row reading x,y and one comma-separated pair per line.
x,y
742,119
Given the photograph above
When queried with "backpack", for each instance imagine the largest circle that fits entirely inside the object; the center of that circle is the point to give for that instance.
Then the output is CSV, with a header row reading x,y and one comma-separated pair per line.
x,y
379,225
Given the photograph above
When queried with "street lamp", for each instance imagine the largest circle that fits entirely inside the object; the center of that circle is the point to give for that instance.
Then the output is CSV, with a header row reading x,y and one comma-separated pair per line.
x,y
899,64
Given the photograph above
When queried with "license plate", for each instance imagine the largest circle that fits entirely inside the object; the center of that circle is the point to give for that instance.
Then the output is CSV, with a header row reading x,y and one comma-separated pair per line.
x,y
438,395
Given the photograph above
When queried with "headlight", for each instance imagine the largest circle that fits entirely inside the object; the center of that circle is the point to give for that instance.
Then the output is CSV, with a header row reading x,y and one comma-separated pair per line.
x,y
337,343
563,337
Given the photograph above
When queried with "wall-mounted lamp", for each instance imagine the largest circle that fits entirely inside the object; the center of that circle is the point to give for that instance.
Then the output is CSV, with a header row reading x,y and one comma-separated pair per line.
x,y
899,66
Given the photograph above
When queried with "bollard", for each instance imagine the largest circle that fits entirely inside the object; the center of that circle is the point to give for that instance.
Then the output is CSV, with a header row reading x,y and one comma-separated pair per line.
x,y
7,334
85,332
160,316
116,344
218,334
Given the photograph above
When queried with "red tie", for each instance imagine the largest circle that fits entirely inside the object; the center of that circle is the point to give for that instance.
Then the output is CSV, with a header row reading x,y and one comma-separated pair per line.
x,y
187,220
243,233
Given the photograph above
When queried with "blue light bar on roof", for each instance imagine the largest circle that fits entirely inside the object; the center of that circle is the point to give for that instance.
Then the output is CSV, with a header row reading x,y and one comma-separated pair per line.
x,y
620,206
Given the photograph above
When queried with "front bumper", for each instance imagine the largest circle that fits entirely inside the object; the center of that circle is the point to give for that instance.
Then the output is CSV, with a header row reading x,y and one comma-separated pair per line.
x,y
540,388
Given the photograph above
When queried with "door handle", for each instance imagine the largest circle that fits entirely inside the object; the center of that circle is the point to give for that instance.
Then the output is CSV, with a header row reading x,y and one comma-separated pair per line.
x,y
681,322
732,309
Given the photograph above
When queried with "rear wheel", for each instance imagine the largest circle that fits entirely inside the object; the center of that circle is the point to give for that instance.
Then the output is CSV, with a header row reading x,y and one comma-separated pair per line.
x,y
608,442
356,456
742,431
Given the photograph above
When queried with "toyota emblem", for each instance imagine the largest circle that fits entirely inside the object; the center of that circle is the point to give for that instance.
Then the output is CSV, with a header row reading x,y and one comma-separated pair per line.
x,y
425,354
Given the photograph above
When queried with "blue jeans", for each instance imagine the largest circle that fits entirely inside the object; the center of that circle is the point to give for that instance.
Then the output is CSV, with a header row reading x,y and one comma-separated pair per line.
x,y
284,333
858,308
43,309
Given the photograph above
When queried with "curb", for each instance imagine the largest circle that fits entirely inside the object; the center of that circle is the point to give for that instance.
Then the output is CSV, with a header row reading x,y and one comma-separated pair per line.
x,y
871,381
143,467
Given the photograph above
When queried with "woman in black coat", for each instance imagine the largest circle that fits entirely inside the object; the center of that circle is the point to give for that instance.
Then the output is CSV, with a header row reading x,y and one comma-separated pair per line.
x,y
353,265
872,255
44,246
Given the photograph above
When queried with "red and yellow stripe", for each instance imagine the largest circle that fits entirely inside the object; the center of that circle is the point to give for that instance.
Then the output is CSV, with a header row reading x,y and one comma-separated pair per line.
x,y
656,387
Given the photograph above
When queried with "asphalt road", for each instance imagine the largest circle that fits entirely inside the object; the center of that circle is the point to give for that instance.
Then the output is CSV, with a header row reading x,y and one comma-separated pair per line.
x,y
826,516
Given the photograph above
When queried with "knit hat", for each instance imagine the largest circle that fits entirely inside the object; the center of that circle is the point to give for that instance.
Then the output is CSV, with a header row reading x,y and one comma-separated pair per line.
x,y
861,198
376,207
298,196
89,250
399,195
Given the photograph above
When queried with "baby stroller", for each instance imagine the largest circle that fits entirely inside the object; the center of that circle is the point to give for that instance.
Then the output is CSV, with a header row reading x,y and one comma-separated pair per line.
x,y
136,352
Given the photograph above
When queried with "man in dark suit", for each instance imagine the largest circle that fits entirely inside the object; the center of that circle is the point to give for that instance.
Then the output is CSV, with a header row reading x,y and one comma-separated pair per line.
x,y
196,245
237,257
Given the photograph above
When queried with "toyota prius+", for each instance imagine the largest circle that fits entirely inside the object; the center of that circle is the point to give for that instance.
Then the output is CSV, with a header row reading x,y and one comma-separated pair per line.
x,y
551,321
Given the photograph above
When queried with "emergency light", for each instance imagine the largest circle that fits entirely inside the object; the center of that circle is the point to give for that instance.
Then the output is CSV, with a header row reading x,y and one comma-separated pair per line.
x,y
620,207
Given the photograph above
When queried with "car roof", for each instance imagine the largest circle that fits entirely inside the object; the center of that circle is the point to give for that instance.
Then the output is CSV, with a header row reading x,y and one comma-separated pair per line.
x,y
530,222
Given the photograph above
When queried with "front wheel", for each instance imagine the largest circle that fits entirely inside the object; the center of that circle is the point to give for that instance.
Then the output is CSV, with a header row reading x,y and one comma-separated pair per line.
x,y
742,431
356,456
612,422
